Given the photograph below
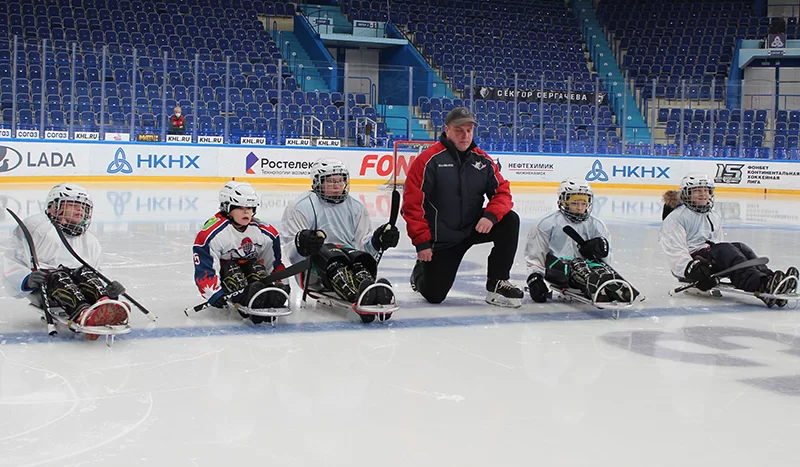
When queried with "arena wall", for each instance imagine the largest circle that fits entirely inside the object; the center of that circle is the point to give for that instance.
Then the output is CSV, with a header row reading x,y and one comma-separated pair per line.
x,y
22,162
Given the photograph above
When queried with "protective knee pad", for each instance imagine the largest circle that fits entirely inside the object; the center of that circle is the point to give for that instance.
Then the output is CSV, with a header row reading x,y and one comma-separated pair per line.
x,y
558,271
253,271
232,277
90,284
63,292
366,260
328,261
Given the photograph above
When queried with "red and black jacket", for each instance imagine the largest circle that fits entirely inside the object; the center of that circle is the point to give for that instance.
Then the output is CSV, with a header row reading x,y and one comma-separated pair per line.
x,y
177,122
444,195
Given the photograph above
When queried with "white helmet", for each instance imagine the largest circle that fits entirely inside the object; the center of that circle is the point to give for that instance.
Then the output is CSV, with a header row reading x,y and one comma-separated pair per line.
x,y
697,180
237,194
575,187
69,193
323,169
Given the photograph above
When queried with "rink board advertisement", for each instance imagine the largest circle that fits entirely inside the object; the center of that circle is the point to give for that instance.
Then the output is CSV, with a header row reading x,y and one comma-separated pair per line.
x,y
369,165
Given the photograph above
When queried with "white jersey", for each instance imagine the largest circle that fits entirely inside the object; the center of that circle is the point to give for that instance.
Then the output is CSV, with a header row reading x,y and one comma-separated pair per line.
x,y
684,232
548,237
346,223
220,241
49,250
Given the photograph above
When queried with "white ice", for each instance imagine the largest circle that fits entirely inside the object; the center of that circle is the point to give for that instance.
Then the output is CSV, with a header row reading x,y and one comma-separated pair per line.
x,y
679,381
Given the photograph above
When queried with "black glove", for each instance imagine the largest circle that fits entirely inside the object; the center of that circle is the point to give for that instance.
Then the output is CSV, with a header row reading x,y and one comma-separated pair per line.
x,y
595,248
35,279
538,288
114,290
700,271
308,242
385,237
219,302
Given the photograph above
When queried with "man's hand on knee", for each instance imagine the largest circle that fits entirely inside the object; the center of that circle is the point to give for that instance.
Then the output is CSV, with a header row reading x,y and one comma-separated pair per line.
x,y
484,225
425,255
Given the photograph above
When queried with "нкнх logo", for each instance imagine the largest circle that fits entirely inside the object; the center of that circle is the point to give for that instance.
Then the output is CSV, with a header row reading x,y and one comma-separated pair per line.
x,y
120,163
10,159
625,171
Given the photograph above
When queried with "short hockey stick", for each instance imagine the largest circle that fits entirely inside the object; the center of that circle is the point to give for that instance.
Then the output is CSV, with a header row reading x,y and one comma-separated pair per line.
x,y
99,274
51,327
744,264
393,214
292,270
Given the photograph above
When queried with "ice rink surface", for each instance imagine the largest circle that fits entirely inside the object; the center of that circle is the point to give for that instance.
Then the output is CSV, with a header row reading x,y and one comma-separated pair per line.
x,y
678,381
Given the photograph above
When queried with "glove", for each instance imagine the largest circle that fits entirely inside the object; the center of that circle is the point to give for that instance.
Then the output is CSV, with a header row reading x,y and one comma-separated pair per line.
x,y
385,237
308,242
114,290
35,279
219,302
537,288
595,248
699,271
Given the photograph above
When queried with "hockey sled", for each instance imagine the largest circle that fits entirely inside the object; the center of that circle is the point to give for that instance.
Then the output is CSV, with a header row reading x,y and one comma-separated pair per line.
x,y
725,287
79,326
576,295
367,313
270,313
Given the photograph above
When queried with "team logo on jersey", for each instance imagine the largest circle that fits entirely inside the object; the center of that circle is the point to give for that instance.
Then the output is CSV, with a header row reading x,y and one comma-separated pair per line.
x,y
247,246
479,165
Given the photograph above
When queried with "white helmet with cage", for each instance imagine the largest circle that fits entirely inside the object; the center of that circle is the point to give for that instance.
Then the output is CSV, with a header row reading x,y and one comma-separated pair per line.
x,y
697,180
64,196
237,194
574,189
324,168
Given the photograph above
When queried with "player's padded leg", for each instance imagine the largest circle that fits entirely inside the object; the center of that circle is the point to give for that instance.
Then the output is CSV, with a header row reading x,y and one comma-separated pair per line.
x,y
70,296
65,293
90,284
332,264
558,271
590,277
363,269
253,271
233,280
725,255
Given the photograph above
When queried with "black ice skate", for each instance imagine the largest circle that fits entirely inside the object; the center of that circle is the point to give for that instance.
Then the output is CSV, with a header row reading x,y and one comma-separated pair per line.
x,y
770,285
503,293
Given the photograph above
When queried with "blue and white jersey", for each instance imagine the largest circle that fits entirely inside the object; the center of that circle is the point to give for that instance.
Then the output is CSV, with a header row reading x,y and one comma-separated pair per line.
x,y
220,241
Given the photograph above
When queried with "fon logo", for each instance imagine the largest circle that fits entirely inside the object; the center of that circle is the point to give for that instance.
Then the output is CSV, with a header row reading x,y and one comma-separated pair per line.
x,y
251,161
597,174
120,163
10,159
